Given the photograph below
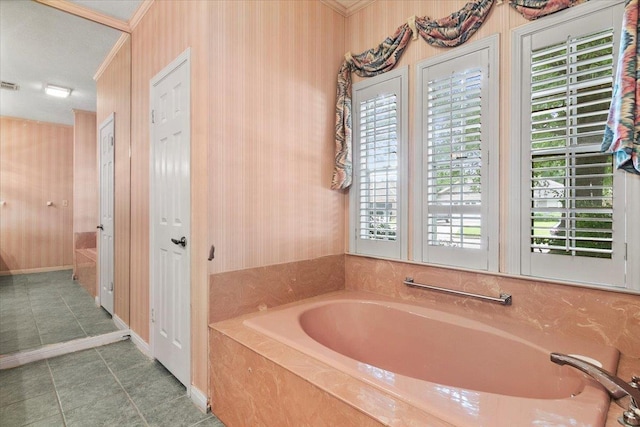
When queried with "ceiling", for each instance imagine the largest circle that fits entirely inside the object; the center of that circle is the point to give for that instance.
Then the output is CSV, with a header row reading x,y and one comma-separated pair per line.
x,y
121,9
40,45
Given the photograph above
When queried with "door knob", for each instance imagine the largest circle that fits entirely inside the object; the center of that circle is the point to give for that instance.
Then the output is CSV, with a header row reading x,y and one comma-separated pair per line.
x,y
100,227
182,242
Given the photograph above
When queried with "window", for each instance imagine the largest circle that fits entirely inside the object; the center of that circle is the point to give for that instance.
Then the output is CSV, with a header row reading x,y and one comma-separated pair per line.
x,y
456,180
378,197
572,212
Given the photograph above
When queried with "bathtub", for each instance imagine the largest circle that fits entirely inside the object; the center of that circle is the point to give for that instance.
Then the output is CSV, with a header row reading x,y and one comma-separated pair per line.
x,y
462,371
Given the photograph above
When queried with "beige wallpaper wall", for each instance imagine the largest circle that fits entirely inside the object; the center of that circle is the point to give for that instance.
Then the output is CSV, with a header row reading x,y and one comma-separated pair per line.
x,y
263,84
167,29
114,96
85,172
36,167
272,107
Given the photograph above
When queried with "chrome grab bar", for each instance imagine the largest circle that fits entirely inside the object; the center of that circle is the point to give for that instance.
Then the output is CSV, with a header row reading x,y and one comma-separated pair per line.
x,y
504,299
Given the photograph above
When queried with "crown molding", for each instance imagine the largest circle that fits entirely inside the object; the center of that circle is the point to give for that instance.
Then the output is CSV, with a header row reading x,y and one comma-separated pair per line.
x,y
78,110
112,53
139,13
347,11
87,13
42,269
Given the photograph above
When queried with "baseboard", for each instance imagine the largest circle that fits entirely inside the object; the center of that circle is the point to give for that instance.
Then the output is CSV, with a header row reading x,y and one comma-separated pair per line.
x,y
52,350
142,345
119,322
199,399
35,270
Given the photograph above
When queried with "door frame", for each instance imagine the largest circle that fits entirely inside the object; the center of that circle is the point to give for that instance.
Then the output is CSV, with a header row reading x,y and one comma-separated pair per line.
x,y
110,118
183,58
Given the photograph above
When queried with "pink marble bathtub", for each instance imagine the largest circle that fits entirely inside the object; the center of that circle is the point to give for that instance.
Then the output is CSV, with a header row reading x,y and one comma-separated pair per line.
x,y
459,370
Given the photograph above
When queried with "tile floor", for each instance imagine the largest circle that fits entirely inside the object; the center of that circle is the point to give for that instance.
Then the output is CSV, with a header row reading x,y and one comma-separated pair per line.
x,y
45,308
113,385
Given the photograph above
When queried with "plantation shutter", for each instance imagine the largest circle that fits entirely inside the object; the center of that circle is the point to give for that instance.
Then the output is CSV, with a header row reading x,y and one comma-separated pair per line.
x,y
571,181
573,222
378,143
454,160
457,109
377,211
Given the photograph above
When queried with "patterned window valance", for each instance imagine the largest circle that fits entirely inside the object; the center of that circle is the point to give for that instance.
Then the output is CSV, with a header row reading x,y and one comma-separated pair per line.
x,y
622,134
623,129
533,9
367,64
450,31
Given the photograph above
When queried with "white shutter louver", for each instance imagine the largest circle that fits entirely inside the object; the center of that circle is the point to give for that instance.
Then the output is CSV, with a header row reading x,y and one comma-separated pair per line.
x,y
571,181
378,171
454,160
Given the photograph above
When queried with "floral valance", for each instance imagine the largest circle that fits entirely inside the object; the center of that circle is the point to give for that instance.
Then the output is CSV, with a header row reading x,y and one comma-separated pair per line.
x,y
367,64
622,134
533,9
450,31
623,128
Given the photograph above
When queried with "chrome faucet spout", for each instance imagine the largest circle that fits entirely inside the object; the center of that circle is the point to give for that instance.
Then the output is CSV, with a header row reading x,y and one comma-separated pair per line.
x,y
616,387
627,395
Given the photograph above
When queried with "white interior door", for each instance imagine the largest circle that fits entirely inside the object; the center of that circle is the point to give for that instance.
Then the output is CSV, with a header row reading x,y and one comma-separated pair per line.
x,y
170,218
105,229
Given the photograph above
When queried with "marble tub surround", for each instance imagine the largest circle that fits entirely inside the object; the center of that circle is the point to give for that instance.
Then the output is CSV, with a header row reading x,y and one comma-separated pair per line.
x,y
255,380
239,292
84,240
253,377
604,317
85,270
85,260
253,390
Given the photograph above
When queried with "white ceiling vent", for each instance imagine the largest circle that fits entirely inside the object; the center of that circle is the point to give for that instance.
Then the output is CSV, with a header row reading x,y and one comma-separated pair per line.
x,y
9,86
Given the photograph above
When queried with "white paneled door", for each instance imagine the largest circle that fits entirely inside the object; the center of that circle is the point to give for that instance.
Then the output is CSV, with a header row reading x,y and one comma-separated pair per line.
x,y
170,218
105,229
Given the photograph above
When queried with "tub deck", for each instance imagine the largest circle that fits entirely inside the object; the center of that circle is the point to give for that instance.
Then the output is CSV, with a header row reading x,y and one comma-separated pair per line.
x,y
252,376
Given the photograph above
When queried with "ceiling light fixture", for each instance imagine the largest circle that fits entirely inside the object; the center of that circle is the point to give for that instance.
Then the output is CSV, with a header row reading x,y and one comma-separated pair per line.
x,y
9,85
59,91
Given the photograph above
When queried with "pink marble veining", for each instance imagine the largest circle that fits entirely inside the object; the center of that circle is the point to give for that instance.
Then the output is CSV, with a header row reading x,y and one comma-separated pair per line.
x,y
250,390
85,270
84,240
608,318
235,293
460,370
257,381
84,260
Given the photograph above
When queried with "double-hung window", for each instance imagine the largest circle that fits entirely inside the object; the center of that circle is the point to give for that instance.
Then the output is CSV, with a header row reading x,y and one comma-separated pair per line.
x,y
378,197
456,180
572,209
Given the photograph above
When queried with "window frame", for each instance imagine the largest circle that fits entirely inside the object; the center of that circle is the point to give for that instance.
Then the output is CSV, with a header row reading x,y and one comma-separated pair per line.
x,y
397,79
487,258
517,253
